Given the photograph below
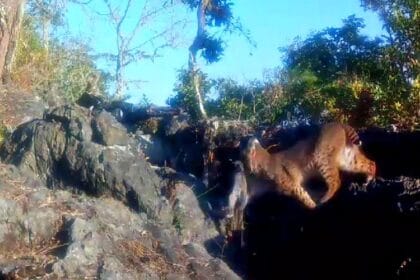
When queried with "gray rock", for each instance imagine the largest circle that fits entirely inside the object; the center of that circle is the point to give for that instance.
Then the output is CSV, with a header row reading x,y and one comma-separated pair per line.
x,y
41,223
77,120
82,254
12,227
177,123
77,236
206,267
189,219
18,149
90,232
112,269
108,131
154,149
59,149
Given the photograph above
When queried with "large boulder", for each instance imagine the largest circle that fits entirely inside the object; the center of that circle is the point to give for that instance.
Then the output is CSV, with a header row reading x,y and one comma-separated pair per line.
x,y
56,234
60,149
109,131
74,148
191,213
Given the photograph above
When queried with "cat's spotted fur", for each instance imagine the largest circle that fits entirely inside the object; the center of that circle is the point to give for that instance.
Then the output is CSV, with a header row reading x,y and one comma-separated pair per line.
x,y
335,148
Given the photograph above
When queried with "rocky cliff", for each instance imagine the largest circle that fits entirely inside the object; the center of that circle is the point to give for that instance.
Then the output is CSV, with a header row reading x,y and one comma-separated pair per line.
x,y
118,192
79,200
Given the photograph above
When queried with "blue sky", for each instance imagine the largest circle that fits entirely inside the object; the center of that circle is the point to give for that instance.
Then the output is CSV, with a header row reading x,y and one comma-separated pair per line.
x,y
272,23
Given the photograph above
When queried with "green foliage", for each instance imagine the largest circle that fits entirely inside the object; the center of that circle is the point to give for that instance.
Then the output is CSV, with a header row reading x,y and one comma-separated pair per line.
x,y
401,20
254,101
332,72
217,16
218,13
335,74
212,49
177,223
47,11
184,97
62,72
3,134
213,16
232,100
144,101
70,73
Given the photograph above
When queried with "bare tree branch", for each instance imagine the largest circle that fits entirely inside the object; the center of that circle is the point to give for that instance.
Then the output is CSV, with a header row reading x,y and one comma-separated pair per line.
x,y
87,2
130,46
153,38
142,20
120,22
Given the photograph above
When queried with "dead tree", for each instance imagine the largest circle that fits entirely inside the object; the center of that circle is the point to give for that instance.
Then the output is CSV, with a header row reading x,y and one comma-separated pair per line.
x,y
131,45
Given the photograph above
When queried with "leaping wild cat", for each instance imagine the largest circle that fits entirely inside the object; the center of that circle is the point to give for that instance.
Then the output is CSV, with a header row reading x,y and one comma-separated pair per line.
x,y
335,148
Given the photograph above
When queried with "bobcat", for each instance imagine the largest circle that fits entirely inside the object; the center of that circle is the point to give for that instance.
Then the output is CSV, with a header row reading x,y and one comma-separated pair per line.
x,y
336,147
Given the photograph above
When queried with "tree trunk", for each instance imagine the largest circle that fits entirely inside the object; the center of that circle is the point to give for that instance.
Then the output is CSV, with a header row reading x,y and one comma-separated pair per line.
x,y
197,85
240,107
11,14
195,46
119,79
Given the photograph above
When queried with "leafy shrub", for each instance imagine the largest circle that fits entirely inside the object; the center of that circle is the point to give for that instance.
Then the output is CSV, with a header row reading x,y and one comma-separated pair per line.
x,y
63,71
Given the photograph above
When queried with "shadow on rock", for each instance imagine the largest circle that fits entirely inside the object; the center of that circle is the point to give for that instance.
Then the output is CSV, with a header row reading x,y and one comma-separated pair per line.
x,y
361,235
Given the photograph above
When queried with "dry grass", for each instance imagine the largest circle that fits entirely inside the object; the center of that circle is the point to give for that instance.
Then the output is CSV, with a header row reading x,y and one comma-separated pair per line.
x,y
29,261
34,259
135,255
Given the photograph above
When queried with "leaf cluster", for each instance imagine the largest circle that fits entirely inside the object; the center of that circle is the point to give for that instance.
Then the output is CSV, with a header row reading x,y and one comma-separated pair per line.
x,y
334,74
184,96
